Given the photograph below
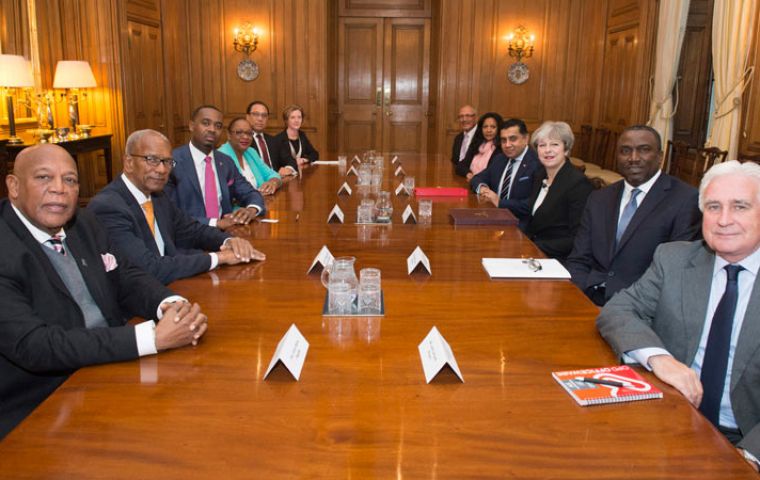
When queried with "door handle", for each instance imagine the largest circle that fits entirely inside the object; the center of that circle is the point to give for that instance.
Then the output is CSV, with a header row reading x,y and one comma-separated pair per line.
x,y
388,113
379,97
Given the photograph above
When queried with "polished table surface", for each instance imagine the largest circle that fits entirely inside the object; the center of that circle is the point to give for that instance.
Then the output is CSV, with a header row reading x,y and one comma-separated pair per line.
x,y
362,408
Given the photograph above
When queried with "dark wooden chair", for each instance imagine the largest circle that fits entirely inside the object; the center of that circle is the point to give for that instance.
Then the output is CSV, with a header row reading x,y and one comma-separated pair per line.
x,y
610,152
666,156
690,164
582,148
599,146
749,157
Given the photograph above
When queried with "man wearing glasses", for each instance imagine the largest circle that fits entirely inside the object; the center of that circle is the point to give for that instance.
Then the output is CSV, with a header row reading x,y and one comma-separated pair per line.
x,y
468,119
149,229
265,144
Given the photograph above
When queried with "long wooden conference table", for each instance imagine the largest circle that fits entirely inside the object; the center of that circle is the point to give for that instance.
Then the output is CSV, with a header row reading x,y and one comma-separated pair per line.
x,y
362,408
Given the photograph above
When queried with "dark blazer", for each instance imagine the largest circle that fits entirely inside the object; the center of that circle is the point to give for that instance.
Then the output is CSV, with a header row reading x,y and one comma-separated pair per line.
x,y
668,213
117,209
552,228
273,146
463,168
185,190
522,186
283,144
43,337
666,308
456,147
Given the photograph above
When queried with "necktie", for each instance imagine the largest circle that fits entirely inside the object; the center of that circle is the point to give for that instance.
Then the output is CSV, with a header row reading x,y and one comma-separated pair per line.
x,y
715,361
149,216
263,149
211,197
463,148
627,215
505,187
57,243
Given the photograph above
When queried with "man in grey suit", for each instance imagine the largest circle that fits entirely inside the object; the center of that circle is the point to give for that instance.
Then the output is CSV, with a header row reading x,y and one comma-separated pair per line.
x,y
693,318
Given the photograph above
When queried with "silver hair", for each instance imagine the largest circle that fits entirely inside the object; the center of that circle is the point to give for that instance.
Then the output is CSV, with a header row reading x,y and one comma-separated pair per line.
x,y
134,139
732,167
554,130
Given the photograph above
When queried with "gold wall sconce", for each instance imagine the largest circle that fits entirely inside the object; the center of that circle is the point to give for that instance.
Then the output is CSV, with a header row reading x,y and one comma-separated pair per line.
x,y
520,45
246,40
15,73
73,76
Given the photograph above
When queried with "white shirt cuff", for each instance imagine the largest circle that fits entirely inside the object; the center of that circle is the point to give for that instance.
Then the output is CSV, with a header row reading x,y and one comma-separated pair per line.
x,y
295,172
642,355
214,261
258,209
169,299
212,222
145,335
479,186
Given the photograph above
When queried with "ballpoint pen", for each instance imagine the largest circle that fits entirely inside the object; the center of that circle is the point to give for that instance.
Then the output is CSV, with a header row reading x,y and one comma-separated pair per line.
x,y
609,383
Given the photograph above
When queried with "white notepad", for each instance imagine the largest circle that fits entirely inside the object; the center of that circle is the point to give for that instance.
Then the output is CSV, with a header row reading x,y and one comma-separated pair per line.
x,y
519,268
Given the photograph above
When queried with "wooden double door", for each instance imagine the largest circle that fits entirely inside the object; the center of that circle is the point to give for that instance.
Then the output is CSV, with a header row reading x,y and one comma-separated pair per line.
x,y
383,84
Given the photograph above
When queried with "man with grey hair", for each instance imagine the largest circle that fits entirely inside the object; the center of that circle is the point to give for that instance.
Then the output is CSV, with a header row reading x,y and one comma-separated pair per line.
x,y
149,229
693,318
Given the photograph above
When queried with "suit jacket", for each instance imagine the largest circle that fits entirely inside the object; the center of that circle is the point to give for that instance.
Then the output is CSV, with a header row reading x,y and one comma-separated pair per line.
x,y
554,224
117,209
456,147
283,145
666,308
43,337
185,189
522,186
273,145
668,213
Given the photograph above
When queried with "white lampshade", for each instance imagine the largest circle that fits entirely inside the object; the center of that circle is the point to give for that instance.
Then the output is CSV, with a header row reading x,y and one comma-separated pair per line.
x,y
73,74
15,71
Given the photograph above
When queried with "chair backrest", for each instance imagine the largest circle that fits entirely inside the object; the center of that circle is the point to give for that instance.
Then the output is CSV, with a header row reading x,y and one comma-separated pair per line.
x,y
599,145
610,152
582,148
711,156
667,166
750,157
690,164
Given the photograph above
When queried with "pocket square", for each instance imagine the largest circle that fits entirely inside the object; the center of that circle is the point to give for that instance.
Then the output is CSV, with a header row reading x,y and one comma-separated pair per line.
x,y
522,179
230,181
109,261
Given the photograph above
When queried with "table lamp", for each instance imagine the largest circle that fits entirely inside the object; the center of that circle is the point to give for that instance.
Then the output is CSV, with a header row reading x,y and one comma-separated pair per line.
x,y
15,72
73,75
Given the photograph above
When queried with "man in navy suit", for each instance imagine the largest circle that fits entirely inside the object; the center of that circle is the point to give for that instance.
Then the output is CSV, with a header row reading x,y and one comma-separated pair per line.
x,y
617,238
265,144
508,179
205,181
149,229
66,294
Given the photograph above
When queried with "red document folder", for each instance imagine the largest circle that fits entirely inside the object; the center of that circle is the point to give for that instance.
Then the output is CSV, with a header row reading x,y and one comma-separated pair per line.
x,y
440,192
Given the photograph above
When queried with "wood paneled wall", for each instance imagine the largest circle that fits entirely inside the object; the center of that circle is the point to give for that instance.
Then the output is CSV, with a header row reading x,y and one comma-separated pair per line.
x,y
749,141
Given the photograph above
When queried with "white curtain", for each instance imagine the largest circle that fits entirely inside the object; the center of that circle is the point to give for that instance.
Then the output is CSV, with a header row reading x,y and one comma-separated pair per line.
x,y
671,27
733,29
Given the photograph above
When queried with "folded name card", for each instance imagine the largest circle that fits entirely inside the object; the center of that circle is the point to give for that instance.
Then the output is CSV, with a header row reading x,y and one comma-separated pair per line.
x,y
408,216
400,171
436,354
395,159
356,159
344,189
416,260
352,171
290,352
401,189
323,259
336,214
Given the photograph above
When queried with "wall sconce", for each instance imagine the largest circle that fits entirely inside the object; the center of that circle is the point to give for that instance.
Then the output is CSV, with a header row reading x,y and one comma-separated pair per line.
x,y
15,72
520,45
73,75
246,40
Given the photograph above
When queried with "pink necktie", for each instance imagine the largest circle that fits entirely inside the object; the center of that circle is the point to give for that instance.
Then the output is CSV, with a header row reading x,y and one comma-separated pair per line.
x,y
211,200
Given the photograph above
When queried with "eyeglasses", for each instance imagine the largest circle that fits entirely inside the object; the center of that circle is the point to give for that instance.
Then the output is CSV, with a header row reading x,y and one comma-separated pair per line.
x,y
240,133
466,115
155,161
258,114
533,264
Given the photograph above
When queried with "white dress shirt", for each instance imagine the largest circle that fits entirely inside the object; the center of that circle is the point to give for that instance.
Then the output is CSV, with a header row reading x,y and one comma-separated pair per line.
x,y
466,140
628,188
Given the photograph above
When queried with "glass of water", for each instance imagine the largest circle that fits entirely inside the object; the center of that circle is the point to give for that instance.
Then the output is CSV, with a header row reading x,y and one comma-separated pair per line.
x,y
340,298
425,208
342,161
409,184
370,291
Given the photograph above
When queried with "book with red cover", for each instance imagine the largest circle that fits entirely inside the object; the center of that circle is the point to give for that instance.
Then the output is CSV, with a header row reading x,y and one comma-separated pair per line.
x,y
482,216
636,388
440,192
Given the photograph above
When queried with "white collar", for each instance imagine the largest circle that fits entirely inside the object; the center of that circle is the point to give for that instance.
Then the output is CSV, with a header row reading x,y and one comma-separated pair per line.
x,y
139,196
644,187
198,156
40,235
751,262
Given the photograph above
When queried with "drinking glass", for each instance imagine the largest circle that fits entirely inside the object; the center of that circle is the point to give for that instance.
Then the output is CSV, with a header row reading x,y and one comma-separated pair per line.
x,y
364,213
409,184
340,298
425,208
369,298
369,275
342,161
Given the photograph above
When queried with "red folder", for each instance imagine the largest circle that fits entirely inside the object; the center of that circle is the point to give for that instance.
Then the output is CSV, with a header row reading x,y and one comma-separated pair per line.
x,y
440,192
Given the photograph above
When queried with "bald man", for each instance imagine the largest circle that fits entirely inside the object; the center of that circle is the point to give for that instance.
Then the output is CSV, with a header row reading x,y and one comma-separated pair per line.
x,y
153,232
65,294
468,119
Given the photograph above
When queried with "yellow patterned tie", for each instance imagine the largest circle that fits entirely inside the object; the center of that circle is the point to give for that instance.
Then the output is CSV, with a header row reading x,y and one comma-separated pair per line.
x,y
148,209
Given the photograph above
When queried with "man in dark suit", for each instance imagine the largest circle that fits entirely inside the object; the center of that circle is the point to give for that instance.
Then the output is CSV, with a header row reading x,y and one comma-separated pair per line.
x,y
65,293
693,318
265,144
149,229
468,119
205,182
615,242
507,182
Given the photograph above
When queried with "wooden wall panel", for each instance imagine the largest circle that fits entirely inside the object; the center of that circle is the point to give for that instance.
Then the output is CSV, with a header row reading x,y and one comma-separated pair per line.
x,y
385,8
749,141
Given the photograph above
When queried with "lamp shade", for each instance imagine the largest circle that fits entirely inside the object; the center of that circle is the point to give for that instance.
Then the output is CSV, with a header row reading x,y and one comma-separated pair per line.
x,y
73,74
15,71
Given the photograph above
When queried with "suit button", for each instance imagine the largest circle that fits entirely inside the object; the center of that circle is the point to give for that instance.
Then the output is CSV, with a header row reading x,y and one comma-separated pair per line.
x,y
611,274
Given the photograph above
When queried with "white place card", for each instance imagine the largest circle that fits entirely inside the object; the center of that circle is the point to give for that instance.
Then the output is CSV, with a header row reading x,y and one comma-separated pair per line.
x,y
395,159
435,354
335,214
408,216
417,258
356,159
325,162
352,171
290,352
270,220
400,171
323,259
401,189
344,189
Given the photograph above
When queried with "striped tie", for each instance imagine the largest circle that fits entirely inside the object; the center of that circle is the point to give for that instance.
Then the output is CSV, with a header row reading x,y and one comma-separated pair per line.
x,y
57,243
507,180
